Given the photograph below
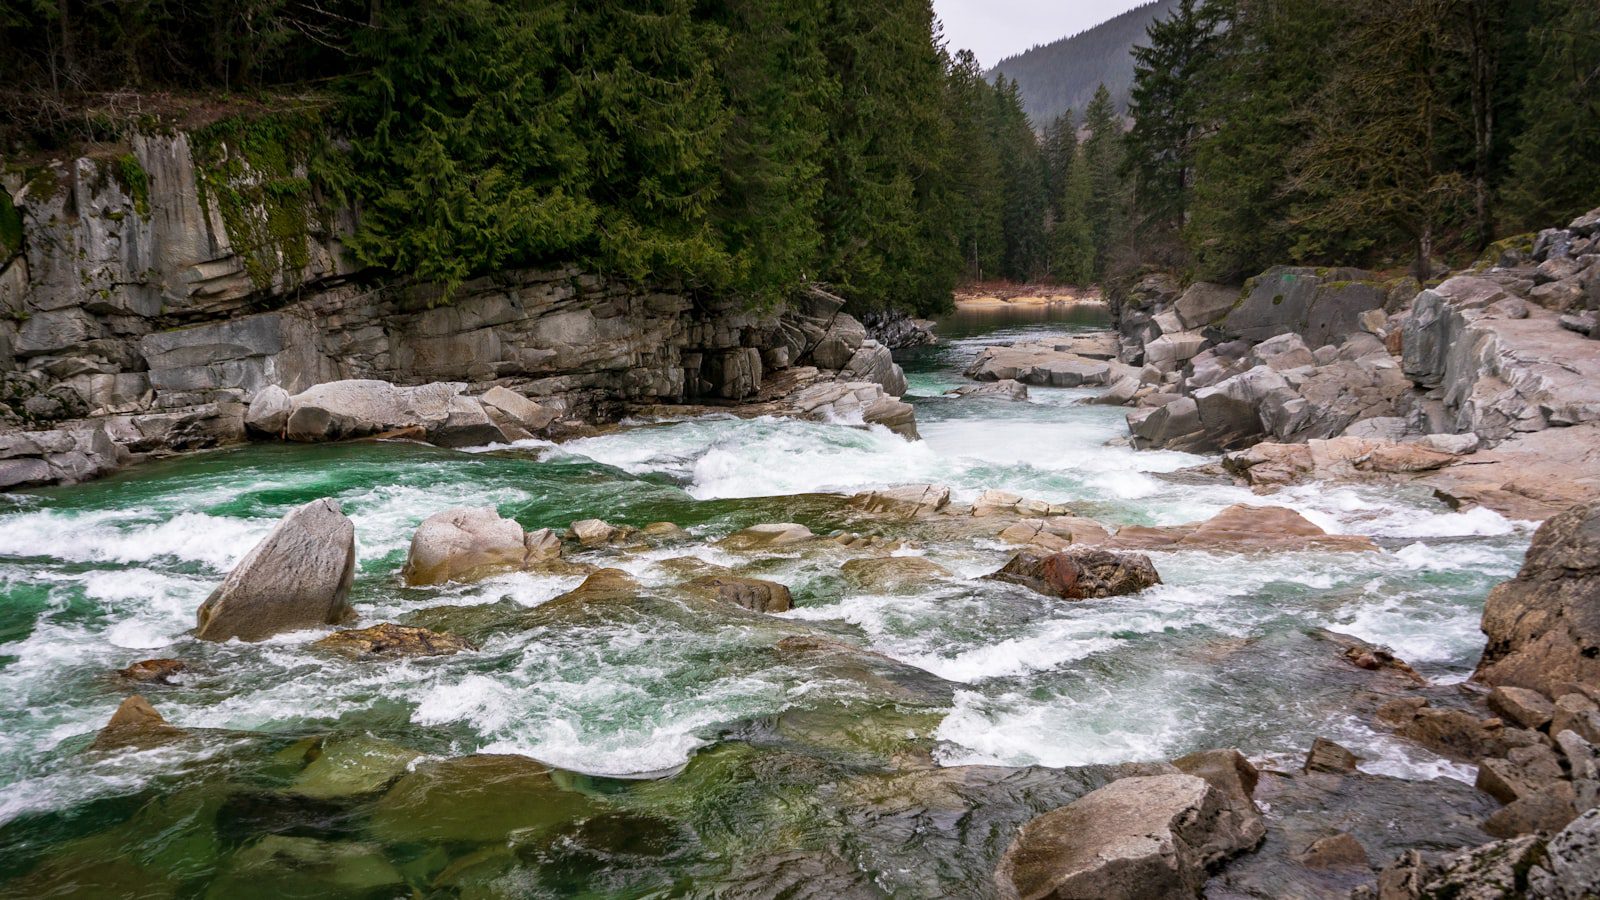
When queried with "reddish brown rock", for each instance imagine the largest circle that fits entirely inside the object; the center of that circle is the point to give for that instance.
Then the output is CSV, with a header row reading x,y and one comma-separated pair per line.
x,y
135,724
390,640
1080,574
155,671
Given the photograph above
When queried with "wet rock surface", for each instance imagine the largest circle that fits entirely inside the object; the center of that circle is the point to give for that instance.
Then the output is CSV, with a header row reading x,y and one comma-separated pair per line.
x,y
299,576
1080,574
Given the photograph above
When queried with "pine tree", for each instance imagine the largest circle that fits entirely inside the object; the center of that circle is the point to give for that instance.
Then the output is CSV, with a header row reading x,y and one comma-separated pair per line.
x,y
1555,170
1024,201
972,173
1072,238
1108,193
1172,78
1375,163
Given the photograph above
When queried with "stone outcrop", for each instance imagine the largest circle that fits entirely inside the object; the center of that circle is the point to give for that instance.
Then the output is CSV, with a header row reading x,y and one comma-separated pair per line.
x,y
132,326
1004,389
913,501
1080,574
892,574
898,331
1142,838
1324,306
468,543
770,536
1067,362
299,576
1543,627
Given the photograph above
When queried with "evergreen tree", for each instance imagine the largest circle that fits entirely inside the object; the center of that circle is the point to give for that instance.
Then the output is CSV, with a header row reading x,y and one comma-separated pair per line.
x,y
972,174
1171,82
1023,197
1072,238
1375,167
1108,194
1555,170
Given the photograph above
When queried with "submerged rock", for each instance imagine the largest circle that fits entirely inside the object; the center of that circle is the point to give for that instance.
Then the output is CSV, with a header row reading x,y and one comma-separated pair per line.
x,y
1144,838
135,724
1080,574
474,799
351,766
1004,389
1543,627
390,640
299,576
284,866
754,594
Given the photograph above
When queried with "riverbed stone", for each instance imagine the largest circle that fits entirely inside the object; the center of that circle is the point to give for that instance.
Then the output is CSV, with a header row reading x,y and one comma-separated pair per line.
x,y
593,532
299,576
768,536
477,799
351,766
135,724
155,671
892,574
1080,574
389,640
1240,527
1004,389
754,594
289,866
1544,625
268,413
1327,756
464,544
912,501
1143,838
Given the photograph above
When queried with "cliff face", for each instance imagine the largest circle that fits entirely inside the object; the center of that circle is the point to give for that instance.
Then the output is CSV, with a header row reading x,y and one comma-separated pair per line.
x,y
151,300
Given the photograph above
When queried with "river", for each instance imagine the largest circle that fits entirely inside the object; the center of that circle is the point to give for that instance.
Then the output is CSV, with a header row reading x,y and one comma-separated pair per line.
x,y
762,752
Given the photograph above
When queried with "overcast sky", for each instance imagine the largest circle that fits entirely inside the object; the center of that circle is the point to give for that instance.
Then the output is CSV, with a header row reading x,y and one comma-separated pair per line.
x,y
996,29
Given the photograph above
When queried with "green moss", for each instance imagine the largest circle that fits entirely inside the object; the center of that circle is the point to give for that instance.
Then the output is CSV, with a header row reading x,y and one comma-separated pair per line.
x,y
10,227
43,185
137,181
254,173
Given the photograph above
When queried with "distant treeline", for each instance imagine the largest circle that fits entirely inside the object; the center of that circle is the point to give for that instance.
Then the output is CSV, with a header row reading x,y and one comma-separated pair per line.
x,y
735,147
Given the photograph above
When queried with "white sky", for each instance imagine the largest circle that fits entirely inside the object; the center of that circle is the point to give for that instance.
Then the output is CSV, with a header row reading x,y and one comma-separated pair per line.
x,y
996,29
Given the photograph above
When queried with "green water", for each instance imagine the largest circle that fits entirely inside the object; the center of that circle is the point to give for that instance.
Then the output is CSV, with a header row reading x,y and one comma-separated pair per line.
x,y
662,746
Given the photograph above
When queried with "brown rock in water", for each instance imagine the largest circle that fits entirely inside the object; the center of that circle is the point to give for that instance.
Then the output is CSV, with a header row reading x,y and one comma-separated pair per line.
x,y
155,671
1545,812
298,577
1337,850
1144,838
135,724
1455,733
1235,778
907,502
391,640
1080,574
593,532
1240,527
465,544
1578,714
768,536
1327,756
1529,709
754,594
891,574
1543,627
606,584
1524,771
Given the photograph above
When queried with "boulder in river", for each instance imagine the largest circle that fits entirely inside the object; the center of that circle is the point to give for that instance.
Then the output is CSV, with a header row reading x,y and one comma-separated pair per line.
x,y
1080,574
155,671
1143,838
768,536
754,594
1543,627
1004,389
892,574
298,577
593,532
1240,527
912,501
467,543
390,640
135,724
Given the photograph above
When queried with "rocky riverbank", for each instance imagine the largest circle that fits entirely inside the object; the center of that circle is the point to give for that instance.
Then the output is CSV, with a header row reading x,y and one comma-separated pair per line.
x,y
134,326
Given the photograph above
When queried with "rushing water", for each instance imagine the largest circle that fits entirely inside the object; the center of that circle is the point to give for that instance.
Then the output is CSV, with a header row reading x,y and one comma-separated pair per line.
x,y
786,758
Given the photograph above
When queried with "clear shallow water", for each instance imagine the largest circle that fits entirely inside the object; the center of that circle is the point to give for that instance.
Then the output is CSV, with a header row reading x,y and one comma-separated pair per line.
x,y
1227,652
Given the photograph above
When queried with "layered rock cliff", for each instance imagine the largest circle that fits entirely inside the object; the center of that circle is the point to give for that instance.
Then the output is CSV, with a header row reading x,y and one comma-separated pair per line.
x,y
151,297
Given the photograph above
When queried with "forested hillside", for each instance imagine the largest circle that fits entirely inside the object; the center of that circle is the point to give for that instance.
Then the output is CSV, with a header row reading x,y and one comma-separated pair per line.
x,y
741,147
1064,74
1360,132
